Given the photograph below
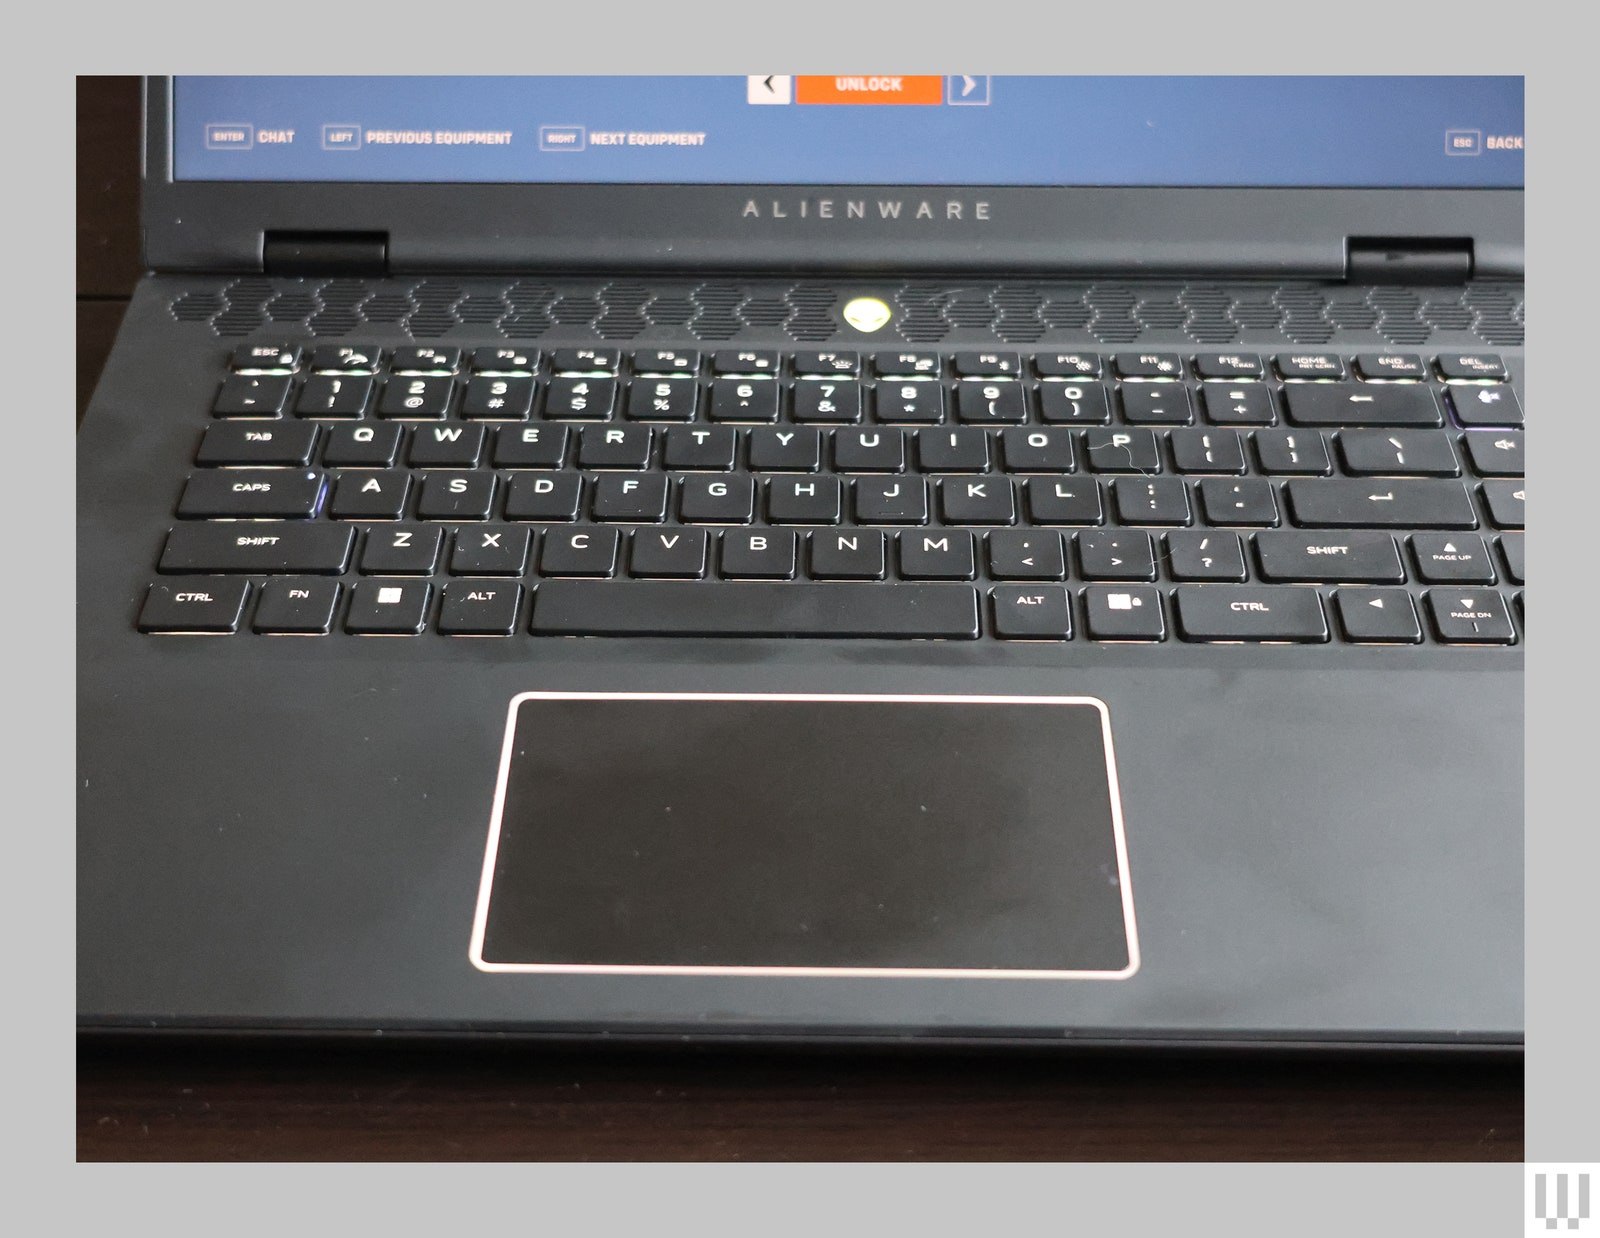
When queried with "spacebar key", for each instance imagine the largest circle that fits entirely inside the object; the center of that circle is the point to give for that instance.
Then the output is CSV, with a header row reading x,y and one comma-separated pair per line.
x,y
755,608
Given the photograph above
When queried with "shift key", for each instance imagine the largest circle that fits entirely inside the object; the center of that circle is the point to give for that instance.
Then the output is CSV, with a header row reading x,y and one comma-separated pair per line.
x,y
262,546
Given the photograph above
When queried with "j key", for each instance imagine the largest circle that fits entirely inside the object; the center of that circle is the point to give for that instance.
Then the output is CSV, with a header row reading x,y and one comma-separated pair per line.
x,y
943,554
1444,559
630,496
822,399
791,449
1511,551
1031,613
580,552
1067,365
711,608
1391,365
1378,615
425,360
504,399
1292,451
968,500
666,361
854,554
580,399
505,360
1026,554
1156,403
257,357
1064,500
1370,557
700,447
1124,614
416,397
200,604
365,446
376,495
716,500
669,552
1228,365
1383,503
1203,554
447,496
1472,365
346,358
1397,453
987,364
1149,365
1486,406
766,554
803,500
1312,365
1152,500
740,361
1505,500
614,447
491,550
388,607
1037,450
736,399
239,442
1496,455
876,450
252,395
840,364
297,606
907,364
982,403
451,446
1207,451
401,550
1475,617
585,360
479,608
891,500
1345,404
915,402
1238,404
259,493
334,395
1074,403
530,447
663,399
953,451
1246,502
1249,613
1122,451
1120,555
257,547
532,497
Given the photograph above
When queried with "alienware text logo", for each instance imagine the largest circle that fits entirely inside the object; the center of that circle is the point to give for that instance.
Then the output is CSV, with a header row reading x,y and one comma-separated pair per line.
x,y
903,210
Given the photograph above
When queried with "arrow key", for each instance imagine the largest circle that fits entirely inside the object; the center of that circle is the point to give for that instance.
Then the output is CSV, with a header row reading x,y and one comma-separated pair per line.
x,y
1382,616
1475,618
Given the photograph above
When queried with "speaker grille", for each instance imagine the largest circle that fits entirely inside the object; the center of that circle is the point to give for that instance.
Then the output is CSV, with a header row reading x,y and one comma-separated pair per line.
x,y
1113,313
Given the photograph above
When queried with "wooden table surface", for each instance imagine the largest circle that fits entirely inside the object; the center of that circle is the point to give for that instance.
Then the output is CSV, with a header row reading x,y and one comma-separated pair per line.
x,y
210,1101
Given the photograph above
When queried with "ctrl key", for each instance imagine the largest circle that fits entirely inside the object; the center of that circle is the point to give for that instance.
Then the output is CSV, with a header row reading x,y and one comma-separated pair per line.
x,y
194,604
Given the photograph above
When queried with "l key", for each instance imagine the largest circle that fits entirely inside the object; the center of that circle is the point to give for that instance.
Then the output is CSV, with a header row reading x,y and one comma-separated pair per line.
x,y
1380,503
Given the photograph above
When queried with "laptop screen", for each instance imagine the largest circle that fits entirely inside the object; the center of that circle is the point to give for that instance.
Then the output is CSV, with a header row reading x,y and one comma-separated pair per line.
x,y
1349,132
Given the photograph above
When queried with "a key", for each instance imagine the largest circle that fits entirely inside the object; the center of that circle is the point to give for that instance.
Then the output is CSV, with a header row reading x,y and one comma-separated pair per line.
x,y
479,608
376,494
290,494
193,604
1249,613
1031,612
1380,503
257,547
240,442
1132,613
943,554
296,606
392,607
1366,404
1347,556
1383,616
401,550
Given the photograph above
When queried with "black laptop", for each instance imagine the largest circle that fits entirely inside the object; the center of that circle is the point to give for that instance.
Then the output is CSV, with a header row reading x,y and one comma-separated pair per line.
x,y
831,559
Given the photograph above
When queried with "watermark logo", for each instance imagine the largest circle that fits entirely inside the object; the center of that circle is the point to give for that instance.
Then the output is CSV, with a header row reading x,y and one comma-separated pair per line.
x,y
1558,1199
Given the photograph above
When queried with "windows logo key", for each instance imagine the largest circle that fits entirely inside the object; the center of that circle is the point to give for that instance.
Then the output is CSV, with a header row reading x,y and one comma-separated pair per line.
x,y
1558,1199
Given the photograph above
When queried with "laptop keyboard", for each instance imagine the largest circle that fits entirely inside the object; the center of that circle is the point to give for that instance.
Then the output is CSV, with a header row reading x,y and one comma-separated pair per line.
x,y
498,492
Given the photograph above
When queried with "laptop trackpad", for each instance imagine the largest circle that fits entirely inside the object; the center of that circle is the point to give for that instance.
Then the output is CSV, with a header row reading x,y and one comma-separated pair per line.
x,y
803,835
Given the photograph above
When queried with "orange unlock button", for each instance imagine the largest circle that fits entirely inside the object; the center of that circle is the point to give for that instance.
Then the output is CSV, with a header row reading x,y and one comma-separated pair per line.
x,y
869,89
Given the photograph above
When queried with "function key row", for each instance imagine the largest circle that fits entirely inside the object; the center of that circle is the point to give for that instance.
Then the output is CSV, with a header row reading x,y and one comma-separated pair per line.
x,y
423,359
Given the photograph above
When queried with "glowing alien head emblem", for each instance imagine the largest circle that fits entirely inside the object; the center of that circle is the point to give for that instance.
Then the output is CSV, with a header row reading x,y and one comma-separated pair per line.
x,y
867,313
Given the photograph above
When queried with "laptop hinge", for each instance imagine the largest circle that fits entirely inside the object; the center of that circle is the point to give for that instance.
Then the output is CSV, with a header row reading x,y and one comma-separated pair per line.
x,y
1408,260
325,253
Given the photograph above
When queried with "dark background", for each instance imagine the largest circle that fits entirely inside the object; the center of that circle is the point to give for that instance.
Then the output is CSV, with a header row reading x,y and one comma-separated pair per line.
x,y
361,1100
